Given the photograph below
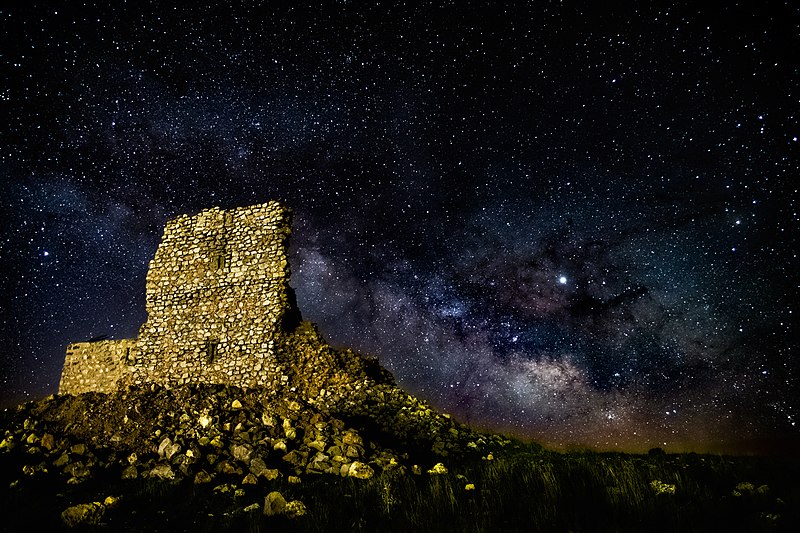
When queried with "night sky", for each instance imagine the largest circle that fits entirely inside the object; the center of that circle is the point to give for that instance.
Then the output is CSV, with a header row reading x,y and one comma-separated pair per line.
x,y
576,225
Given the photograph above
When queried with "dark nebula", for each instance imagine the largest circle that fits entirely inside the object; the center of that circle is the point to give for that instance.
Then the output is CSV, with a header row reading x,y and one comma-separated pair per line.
x,y
575,224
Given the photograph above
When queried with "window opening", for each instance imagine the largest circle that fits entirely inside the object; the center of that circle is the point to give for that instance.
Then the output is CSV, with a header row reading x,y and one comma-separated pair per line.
x,y
212,350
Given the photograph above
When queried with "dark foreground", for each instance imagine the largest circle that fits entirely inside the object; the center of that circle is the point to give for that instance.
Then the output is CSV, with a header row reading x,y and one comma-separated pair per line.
x,y
522,490
215,458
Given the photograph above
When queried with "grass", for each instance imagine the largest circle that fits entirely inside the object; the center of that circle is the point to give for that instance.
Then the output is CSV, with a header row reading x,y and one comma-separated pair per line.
x,y
523,490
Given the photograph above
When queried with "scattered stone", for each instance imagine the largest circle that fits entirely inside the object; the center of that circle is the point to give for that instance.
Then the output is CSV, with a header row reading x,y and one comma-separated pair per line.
x,y
250,479
111,501
360,471
130,472
163,471
48,441
241,452
274,504
258,467
271,474
469,486
662,488
83,514
225,467
78,449
167,448
224,488
295,509
202,477
293,480
252,508
438,469
236,404
296,458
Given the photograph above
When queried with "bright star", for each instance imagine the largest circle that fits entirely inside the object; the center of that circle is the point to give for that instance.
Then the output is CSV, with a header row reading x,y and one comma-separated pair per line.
x,y
562,280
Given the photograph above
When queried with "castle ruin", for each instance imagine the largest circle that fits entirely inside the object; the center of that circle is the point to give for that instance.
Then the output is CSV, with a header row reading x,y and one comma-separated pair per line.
x,y
218,298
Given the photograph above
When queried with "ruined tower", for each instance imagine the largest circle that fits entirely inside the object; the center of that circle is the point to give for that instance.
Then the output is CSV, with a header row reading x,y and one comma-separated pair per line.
x,y
217,293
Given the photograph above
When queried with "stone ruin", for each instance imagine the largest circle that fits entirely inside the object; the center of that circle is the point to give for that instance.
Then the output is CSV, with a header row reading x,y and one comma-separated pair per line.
x,y
218,306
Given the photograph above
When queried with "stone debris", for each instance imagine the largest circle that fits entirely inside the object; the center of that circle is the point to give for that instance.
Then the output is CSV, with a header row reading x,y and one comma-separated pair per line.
x,y
89,514
274,504
438,469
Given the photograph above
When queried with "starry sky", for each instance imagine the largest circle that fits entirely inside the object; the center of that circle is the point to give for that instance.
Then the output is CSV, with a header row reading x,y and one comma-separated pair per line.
x,y
575,224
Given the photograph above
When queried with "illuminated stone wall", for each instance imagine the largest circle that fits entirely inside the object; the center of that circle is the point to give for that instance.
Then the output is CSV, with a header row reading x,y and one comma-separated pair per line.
x,y
95,366
217,294
217,291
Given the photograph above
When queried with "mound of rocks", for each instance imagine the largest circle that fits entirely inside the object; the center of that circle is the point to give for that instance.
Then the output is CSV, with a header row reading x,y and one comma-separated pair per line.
x,y
337,414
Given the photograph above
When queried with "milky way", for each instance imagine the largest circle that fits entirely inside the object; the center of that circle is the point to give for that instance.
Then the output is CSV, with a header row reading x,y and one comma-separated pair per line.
x,y
576,226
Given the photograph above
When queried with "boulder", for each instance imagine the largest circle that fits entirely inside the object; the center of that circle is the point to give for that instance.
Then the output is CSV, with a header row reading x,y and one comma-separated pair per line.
x,y
83,514
295,509
202,477
163,471
274,504
130,472
257,466
241,452
360,470
48,441
438,469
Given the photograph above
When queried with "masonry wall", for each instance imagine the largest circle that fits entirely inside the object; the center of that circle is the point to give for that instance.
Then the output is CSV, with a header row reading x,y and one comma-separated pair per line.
x,y
95,366
217,291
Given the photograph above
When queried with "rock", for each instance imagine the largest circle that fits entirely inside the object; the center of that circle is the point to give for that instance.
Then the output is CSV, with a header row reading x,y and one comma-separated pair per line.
x,y
236,404
469,486
662,488
163,446
202,477
63,460
293,480
352,438
296,458
111,501
295,509
163,471
274,504
250,479
257,466
204,421
241,452
78,449
83,514
225,467
130,472
271,474
360,470
318,445
252,508
438,469
48,441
